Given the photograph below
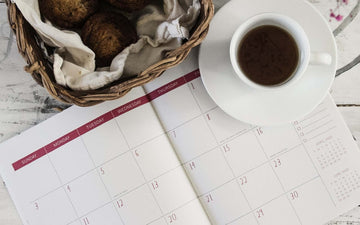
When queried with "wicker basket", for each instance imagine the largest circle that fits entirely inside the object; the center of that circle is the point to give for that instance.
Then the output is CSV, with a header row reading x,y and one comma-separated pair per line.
x,y
42,71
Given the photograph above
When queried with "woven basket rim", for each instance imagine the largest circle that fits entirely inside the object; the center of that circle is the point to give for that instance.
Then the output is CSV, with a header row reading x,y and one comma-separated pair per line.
x,y
40,68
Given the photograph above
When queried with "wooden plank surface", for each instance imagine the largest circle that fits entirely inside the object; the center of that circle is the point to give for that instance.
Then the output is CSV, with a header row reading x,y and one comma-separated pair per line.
x,y
24,104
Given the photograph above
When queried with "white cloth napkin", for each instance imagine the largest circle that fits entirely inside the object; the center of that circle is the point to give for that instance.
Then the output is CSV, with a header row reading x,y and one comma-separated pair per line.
x,y
160,28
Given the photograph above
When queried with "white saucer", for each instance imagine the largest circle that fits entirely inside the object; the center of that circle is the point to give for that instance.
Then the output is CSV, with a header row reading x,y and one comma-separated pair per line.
x,y
265,107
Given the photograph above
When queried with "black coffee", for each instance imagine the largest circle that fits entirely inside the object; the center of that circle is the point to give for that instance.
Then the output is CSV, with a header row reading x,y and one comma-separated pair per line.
x,y
268,55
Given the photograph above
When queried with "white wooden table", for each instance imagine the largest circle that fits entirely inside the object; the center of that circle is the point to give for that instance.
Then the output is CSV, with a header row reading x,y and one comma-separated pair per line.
x,y
23,103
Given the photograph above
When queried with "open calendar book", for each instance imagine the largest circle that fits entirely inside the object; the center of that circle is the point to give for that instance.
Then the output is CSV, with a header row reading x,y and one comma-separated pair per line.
x,y
166,154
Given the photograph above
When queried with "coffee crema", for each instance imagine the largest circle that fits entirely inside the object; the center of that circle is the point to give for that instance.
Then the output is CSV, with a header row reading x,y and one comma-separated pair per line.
x,y
268,55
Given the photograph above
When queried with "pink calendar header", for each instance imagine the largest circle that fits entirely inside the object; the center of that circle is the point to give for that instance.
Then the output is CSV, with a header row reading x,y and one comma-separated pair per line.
x,y
56,144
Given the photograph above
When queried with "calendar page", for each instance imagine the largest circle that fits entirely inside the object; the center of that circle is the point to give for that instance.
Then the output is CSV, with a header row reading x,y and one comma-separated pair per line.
x,y
111,164
166,154
304,173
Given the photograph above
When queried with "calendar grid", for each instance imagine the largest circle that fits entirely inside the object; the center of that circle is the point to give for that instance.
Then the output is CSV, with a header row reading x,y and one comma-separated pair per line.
x,y
101,165
61,187
229,140
218,145
255,209
222,153
81,175
175,209
213,149
226,187
317,171
88,213
278,179
44,195
302,184
277,197
120,195
95,169
288,198
269,158
168,132
238,184
142,173
246,172
152,194
184,123
262,147
226,140
194,118
283,151
107,190
72,205
144,142
106,117
113,199
87,151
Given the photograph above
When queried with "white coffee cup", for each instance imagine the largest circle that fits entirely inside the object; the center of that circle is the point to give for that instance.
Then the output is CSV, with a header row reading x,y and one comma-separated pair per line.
x,y
306,57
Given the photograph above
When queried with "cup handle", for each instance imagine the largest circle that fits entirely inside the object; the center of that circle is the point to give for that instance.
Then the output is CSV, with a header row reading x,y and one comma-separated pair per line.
x,y
320,58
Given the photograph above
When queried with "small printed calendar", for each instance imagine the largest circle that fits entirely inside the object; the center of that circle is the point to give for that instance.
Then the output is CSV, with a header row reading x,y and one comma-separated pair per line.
x,y
166,154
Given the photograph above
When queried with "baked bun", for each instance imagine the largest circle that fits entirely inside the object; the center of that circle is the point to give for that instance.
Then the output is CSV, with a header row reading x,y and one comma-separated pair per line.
x,y
107,34
129,5
68,13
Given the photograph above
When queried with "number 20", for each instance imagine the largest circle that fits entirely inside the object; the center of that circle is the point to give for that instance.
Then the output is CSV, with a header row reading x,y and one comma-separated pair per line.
x,y
172,218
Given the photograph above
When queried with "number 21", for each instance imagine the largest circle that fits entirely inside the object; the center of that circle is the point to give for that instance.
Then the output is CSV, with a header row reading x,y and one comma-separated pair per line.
x,y
209,198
